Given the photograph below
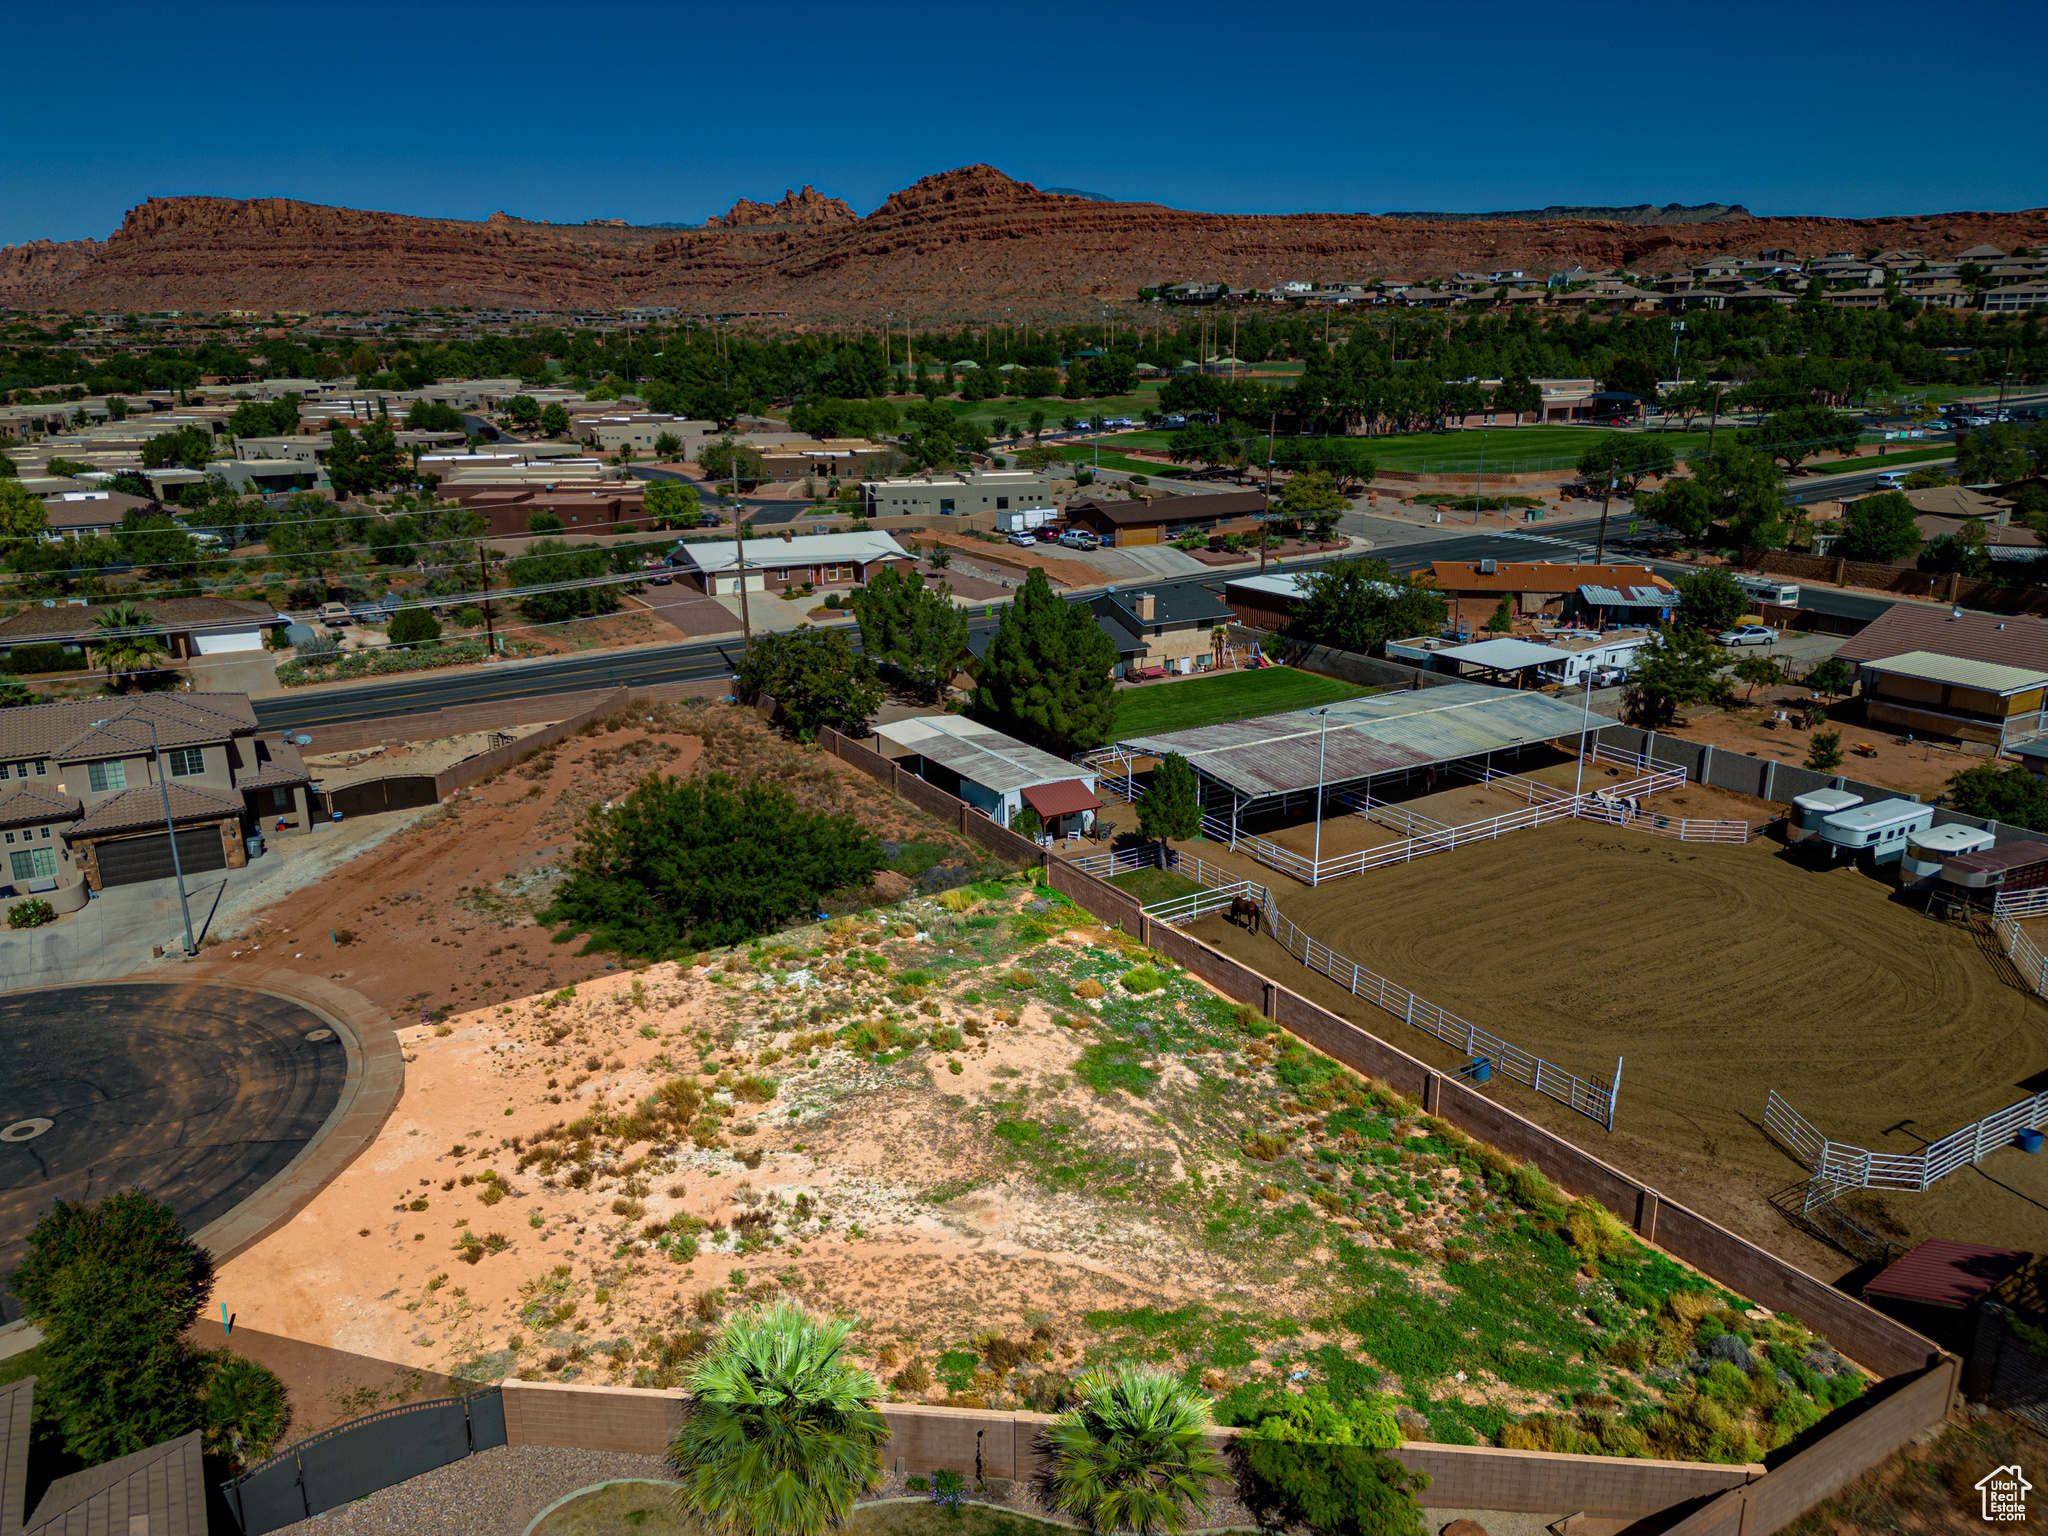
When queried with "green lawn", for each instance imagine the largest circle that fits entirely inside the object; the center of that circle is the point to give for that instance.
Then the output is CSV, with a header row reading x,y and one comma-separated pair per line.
x,y
1152,885
1179,706
1888,461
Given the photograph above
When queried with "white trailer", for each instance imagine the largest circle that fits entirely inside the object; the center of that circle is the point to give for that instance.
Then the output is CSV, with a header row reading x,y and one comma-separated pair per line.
x,y
1879,829
1613,656
1928,851
1814,807
1025,519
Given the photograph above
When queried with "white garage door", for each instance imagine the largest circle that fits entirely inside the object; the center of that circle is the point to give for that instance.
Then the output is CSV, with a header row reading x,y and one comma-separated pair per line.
x,y
229,641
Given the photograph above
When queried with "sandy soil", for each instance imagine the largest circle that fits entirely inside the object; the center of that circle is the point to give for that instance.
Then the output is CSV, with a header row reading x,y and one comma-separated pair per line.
x,y
1719,973
431,756
1917,767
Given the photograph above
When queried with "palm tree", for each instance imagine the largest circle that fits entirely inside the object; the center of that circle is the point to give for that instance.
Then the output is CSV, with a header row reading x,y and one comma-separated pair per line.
x,y
780,1438
1134,1455
124,654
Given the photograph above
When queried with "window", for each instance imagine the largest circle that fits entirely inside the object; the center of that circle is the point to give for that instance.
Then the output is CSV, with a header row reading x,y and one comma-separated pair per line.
x,y
1002,503
186,761
34,864
280,799
105,776
44,833
42,767
782,574
945,506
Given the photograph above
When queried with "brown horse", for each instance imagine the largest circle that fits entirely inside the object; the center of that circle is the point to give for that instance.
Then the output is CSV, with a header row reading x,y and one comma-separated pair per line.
x,y
1245,913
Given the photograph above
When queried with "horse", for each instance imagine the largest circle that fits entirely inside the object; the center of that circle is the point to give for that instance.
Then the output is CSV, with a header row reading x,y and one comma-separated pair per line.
x,y
1245,912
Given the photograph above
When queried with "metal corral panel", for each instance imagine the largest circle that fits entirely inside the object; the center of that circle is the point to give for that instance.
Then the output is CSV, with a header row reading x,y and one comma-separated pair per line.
x,y
1369,736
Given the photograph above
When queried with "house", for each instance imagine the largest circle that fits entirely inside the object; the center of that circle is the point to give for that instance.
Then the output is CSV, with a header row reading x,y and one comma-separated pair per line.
x,y
1473,589
1177,629
1265,602
980,490
780,564
835,459
2015,641
88,514
1929,693
83,784
156,1492
2015,298
996,774
1166,518
192,626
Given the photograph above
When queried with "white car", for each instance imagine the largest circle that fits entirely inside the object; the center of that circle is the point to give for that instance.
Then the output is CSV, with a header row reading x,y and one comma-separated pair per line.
x,y
1891,480
1024,540
1747,634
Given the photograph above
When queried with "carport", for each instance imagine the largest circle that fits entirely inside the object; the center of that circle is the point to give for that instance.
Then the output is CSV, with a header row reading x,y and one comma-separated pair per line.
x,y
1510,660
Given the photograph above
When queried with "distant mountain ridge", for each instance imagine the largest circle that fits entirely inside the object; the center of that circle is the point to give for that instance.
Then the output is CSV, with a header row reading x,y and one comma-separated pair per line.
x,y
1637,213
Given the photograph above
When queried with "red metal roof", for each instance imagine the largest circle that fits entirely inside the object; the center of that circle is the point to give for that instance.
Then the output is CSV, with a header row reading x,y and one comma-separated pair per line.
x,y
1061,799
1944,1273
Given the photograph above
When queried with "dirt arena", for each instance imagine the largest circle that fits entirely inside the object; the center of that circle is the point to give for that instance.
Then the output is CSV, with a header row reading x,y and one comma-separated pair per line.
x,y
1720,973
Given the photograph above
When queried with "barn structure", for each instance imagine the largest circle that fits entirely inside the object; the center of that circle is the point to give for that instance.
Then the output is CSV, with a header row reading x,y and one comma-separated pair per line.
x,y
1278,763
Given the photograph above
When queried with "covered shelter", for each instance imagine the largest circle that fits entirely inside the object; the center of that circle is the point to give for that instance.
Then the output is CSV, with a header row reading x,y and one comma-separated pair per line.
x,y
1936,693
1942,1272
1617,605
1513,662
996,774
1275,762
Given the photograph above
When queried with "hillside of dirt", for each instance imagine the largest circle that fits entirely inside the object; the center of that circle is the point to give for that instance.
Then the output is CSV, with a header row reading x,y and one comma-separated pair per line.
x,y
947,248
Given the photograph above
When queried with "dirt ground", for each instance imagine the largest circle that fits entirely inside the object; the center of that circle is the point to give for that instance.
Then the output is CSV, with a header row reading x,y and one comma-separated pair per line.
x,y
1719,973
334,769
472,872
1917,767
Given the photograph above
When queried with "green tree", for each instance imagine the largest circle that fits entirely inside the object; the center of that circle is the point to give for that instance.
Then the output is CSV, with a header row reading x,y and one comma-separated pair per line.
x,y
113,1284
154,539
265,418
1632,375
1171,806
22,515
674,503
1132,1454
781,1436
1992,456
726,460
2011,795
1360,604
667,445
1046,678
1632,457
1518,393
817,677
1757,670
1326,1469
243,1408
14,693
1502,619
1824,752
1833,676
1683,505
1798,433
1681,670
187,448
433,416
689,864
411,626
1711,599
548,562
121,654
1746,490
554,418
911,630
1879,528
523,410
543,521
1308,495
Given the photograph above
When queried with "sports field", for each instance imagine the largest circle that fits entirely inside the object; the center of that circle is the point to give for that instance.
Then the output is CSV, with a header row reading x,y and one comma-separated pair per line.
x,y
1180,706
1719,973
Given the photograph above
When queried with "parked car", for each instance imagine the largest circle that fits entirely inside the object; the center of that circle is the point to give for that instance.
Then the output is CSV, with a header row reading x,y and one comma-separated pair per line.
x,y
1024,540
1747,634
1048,534
1891,480
661,573
1080,538
334,615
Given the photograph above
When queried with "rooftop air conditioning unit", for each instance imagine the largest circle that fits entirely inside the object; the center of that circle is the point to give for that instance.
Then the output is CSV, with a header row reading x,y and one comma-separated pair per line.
x,y
1488,567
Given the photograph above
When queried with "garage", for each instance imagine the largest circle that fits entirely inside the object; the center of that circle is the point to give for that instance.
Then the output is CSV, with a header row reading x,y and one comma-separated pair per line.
x,y
227,642
129,860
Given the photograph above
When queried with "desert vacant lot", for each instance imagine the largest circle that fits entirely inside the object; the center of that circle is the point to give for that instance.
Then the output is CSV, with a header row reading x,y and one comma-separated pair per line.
x,y
1719,973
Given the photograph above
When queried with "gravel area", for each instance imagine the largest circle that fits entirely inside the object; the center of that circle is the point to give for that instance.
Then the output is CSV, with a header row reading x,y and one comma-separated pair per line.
x,y
493,1493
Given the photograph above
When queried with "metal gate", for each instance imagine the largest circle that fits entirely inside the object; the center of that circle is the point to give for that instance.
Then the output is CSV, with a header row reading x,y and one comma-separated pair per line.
x,y
397,792
126,860
362,1456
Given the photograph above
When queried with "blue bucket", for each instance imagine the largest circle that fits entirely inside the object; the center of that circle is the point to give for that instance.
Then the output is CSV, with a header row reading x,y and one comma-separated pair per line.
x,y
2029,1141
1480,1070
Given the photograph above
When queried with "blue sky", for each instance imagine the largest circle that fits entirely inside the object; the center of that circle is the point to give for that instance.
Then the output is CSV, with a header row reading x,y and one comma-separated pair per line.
x,y
668,112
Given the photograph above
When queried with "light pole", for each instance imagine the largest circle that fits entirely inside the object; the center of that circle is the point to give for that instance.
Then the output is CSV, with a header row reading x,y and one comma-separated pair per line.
x,y
171,827
1600,553
1585,720
1322,746
1479,485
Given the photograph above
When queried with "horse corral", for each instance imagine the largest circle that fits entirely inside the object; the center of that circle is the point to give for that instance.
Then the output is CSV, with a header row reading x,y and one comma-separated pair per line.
x,y
1720,973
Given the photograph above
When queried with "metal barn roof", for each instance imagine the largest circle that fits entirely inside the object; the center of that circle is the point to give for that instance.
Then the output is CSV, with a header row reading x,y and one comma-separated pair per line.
x,y
1944,1273
1382,733
1505,654
974,751
1960,671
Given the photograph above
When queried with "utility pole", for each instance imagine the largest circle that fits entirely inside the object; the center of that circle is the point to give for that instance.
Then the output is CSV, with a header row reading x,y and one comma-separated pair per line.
x,y
1271,418
1479,485
171,827
1600,550
739,547
490,630
1713,420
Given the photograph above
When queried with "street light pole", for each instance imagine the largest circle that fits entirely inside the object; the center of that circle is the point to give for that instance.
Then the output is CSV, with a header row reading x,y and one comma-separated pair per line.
x,y
171,827
1585,720
1600,553
1322,745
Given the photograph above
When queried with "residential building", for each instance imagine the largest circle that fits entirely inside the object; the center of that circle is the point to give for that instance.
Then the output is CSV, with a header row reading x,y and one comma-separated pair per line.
x,y
833,460
996,774
83,783
2015,297
2004,640
86,514
814,560
1536,588
1176,629
1166,518
1931,693
192,626
957,495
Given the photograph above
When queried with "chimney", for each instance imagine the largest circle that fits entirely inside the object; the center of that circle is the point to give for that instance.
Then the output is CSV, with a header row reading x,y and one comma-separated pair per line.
x,y
1144,606
786,536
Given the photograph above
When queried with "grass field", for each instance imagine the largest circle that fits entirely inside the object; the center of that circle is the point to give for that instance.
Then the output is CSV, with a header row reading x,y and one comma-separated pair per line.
x,y
1889,461
1225,696
1151,885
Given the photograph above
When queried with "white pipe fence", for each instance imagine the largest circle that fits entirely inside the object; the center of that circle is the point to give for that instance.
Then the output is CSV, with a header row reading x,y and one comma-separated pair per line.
x,y
2027,903
1176,910
2024,953
1845,1167
1591,1098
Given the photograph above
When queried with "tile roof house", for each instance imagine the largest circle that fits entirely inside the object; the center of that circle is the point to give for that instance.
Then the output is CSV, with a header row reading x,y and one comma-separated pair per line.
x,y
157,1492
1473,589
1173,629
83,783
192,626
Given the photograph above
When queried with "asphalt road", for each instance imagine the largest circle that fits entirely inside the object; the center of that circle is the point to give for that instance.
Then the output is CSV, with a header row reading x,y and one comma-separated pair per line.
x,y
198,1094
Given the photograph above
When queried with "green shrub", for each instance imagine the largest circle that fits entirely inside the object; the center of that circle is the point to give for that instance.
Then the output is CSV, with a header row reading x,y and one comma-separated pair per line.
x,y
1143,979
32,913
411,626
26,659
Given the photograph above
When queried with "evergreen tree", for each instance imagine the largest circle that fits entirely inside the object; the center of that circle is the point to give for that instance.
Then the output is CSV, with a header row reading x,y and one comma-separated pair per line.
x,y
1046,678
409,626
816,676
912,630
1171,806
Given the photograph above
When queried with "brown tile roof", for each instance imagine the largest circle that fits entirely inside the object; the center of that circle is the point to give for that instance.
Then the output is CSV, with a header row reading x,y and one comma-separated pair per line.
x,y
30,803
2009,641
1173,509
271,765
165,1484
1956,501
183,720
179,613
144,807
16,1399
1539,576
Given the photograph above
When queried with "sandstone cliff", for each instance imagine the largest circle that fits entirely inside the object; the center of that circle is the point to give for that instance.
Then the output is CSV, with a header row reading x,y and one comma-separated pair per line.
x,y
966,245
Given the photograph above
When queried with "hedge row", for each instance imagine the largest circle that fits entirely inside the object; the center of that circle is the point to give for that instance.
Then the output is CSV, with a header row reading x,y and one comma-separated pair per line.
x,y
295,674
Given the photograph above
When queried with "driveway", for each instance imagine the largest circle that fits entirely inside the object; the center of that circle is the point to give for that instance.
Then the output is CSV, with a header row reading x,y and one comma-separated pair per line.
x,y
250,672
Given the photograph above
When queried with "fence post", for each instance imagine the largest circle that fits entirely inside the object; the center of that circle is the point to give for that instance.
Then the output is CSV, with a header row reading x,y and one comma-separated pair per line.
x,y
1144,929
1267,999
1432,1086
1706,764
